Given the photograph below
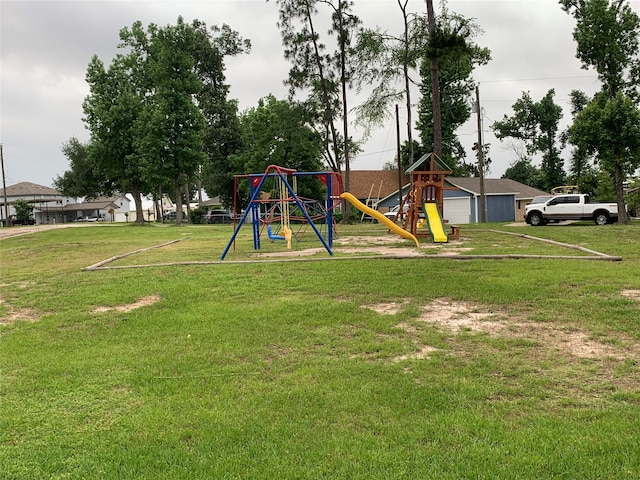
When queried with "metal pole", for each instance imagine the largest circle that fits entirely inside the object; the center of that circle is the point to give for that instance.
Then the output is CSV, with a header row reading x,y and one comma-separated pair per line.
x,y
4,189
483,209
399,158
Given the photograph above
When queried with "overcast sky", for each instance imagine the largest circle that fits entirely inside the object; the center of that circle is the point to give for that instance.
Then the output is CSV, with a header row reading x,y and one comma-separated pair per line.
x,y
47,45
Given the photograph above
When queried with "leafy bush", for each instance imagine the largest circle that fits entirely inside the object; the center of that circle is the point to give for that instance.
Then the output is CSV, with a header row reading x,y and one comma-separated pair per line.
x,y
197,215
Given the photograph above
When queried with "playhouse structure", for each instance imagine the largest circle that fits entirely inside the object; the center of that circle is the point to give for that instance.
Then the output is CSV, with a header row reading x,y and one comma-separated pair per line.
x,y
425,200
277,214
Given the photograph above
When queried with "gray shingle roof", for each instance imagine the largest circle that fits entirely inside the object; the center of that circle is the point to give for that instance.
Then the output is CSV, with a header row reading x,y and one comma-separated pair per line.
x,y
495,186
28,189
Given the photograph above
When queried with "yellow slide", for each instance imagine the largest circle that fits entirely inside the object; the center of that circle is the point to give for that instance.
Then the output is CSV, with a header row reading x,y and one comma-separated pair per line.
x,y
436,225
378,216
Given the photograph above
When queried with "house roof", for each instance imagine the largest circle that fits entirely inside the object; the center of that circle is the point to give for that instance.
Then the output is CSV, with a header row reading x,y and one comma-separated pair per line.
x,y
28,190
374,183
495,186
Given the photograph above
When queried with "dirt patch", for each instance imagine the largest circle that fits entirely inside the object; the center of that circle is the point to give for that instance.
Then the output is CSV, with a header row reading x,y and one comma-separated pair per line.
x,y
367,240
390,308
461,317
632,294
370,245
458,316
142,302
291,253
423,352
13,314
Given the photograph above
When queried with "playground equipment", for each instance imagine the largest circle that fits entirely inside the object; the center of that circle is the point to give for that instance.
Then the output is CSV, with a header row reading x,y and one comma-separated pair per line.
x,y
426,196
280,208
378,216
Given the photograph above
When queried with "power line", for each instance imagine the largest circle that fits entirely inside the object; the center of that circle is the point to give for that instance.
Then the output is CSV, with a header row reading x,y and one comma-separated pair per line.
x,y
537,79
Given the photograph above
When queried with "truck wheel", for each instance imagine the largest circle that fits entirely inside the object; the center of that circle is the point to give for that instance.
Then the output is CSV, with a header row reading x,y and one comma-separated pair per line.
x,y
535,219
601,218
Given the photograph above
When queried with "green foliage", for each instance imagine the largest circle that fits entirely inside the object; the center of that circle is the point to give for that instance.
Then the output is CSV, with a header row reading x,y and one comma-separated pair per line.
x,y
525,172
607,39
608,36
83,178
610,129
536,124
276,132
605,191
197,215
457,56
388,59
23,209
158,113
633,198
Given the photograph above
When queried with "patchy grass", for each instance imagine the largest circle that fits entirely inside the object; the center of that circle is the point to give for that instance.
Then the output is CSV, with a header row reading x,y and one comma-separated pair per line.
x,y
363,368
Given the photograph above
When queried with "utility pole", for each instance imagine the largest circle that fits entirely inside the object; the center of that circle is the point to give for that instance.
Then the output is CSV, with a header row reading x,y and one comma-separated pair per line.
x,y
399,158
4,190
483,209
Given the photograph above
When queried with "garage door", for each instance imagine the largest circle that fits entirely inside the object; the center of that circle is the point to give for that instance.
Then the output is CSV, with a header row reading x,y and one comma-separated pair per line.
x,y
457,210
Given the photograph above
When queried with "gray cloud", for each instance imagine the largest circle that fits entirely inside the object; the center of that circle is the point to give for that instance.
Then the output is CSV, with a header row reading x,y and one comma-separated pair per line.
x,y
47,45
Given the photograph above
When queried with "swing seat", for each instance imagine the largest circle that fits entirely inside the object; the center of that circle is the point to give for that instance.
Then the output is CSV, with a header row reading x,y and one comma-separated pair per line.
x,y
273,236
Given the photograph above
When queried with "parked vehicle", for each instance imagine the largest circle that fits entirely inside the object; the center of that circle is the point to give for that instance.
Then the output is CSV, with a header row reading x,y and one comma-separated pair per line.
x,y
171,217
219,216
23,221
540,199
570,207
391,214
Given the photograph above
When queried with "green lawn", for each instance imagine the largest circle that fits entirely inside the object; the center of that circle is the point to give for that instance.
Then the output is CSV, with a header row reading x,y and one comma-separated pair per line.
x,y
352,368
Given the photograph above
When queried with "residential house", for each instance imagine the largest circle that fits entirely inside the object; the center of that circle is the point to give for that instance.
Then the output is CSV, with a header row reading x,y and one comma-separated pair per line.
x,y
505,199
39,196
50,206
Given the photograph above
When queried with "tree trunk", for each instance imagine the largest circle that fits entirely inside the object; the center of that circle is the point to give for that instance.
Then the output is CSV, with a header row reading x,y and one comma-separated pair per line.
x,y
333,160
619,179
435,86
345,119
187,197
178,192
407,82
137,200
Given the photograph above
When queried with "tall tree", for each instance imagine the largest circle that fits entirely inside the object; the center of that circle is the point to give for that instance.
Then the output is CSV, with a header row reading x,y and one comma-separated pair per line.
x,y
276,133
580,162
457,55
222,133
311,70
536,124
525,172
391,59
435,80
607,37
159,112
81,180
325,76
172,137
609,129
112,111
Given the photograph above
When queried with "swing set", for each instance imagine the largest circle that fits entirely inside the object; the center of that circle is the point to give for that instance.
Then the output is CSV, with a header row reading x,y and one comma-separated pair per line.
x,y
287,207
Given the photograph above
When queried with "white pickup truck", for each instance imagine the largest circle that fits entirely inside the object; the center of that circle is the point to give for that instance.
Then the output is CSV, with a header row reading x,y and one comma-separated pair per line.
x,y
570,207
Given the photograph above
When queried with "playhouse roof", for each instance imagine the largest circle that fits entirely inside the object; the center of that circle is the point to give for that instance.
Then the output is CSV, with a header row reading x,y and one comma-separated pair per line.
x,y
427,156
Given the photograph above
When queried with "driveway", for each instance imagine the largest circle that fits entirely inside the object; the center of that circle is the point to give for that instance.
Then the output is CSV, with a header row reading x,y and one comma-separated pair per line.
x,y
6,232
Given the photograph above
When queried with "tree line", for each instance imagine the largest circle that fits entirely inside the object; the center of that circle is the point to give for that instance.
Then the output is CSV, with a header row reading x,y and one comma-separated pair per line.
x,y
160,119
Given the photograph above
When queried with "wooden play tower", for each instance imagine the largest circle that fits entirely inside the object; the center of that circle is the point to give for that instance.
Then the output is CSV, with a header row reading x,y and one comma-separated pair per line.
x,y
427,187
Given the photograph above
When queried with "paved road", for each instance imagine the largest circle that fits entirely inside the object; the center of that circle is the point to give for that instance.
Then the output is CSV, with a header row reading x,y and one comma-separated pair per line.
x,y
6,232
